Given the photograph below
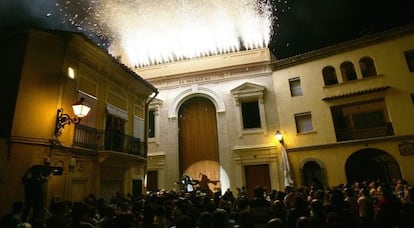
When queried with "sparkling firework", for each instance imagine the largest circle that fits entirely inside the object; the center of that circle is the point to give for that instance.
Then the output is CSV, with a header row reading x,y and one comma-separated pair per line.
x,y
148,32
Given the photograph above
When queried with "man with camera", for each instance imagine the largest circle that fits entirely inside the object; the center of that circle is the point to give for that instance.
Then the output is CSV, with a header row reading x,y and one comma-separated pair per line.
x,y
34,189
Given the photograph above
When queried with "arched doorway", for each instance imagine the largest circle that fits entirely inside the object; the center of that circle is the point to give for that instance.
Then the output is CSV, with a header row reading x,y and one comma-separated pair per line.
x,y
198,142
313,174
371,165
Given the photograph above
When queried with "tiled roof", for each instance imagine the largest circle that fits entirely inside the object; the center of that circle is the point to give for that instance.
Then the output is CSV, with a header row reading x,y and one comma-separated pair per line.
x,y
356,93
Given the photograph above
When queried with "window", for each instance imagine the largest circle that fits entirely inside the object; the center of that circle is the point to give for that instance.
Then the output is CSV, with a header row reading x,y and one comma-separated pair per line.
x,y
114,133
367,67
348,71
409,57
303,122
295,88
250,108
329,75
154,121
139,125
151,123
251,115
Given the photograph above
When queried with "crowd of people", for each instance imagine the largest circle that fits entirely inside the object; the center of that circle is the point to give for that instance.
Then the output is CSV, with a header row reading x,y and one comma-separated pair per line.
x,y
360,205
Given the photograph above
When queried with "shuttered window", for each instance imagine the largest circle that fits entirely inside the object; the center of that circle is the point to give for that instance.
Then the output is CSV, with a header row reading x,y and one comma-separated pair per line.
x,y
295,88
304,122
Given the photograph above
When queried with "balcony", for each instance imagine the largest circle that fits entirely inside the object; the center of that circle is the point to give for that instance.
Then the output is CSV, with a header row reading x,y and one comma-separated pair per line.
x,y
345,134
91,138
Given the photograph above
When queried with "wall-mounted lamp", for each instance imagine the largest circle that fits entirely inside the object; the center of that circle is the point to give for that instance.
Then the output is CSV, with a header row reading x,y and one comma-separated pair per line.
x,y
71,73
279,137
79,109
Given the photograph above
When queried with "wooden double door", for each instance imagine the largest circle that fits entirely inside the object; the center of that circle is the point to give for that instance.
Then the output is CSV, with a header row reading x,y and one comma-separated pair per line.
x,y
198,141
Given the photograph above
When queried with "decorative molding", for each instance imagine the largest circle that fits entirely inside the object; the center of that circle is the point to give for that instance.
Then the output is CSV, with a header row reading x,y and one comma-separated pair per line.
x,y
406,148
248,92
192,92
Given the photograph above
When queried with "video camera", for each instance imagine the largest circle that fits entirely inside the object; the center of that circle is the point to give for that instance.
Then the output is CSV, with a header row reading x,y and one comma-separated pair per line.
x,y
46,170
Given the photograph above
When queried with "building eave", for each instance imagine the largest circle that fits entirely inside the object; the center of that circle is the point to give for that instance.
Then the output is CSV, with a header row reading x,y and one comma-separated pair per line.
x,y
356,93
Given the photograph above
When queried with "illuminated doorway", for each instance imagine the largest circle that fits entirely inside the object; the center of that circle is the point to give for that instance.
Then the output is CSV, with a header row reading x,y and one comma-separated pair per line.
x,y
198,142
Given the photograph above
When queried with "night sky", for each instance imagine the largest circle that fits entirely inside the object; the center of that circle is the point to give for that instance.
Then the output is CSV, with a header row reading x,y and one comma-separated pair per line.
x,y
301,25
312,24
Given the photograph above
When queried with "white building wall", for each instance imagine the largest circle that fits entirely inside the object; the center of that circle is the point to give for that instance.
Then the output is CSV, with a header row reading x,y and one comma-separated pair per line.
x,y
217,86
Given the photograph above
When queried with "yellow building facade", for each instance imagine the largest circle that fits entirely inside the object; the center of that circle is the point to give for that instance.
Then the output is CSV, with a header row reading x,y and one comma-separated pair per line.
x,y
345,111
46,71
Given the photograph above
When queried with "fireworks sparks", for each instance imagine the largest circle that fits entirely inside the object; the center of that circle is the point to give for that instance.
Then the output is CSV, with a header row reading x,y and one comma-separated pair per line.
x,y
148,32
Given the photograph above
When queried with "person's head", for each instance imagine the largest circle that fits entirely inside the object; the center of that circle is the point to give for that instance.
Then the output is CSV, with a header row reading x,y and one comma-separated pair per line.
x,y
275,223
205,220
243,203
79,212
183,221
319,194
399,186
387,192
258,192
219,218
245,219
24,225
316,207
272,194
363,192
59,208
348,192
303,222
337,197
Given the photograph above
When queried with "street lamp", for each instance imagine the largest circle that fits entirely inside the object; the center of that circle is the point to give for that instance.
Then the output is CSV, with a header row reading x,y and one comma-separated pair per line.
x,y
79,109
279,137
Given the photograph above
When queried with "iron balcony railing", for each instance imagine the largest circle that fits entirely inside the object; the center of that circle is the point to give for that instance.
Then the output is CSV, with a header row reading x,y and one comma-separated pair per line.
x,y
91,138
345,134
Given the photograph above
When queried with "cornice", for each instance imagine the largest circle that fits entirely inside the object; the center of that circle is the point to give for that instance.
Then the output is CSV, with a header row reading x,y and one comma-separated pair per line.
x,y
350,143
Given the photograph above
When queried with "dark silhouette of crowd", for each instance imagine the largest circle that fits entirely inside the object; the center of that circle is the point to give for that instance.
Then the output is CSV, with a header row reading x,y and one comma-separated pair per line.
x,y
359,205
